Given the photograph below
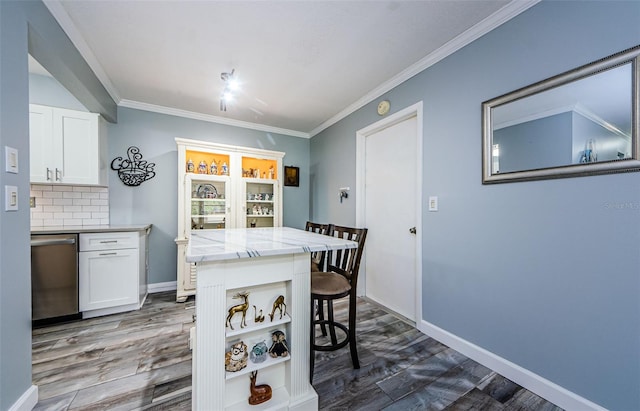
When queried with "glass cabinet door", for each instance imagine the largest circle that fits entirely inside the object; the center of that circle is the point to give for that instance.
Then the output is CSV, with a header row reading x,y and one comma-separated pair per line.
x,y
261,204
209,203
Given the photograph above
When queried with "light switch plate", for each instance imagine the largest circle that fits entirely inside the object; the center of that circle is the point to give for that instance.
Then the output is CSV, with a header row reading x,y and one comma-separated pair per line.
x,y
433,203
11,159
10,198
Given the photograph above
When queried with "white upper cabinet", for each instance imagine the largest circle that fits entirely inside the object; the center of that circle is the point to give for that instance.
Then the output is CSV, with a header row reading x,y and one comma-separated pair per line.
x,y
66,146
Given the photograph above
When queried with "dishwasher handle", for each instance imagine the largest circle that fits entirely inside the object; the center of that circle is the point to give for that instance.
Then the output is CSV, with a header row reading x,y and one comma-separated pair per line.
x,y
52,241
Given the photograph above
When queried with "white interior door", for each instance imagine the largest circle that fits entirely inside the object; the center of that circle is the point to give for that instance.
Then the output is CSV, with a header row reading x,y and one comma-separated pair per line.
x,y
391,193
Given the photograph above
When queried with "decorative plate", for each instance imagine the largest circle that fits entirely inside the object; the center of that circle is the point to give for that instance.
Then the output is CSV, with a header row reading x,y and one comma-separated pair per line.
x,y
207,191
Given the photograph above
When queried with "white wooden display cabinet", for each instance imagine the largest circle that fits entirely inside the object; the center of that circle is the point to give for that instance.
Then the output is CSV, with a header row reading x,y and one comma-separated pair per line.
x,y
265,278
66,146
217,201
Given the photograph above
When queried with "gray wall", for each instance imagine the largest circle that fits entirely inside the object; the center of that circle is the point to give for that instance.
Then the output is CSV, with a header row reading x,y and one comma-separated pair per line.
x,y
544,274
15,284
155,201
28,27
47,91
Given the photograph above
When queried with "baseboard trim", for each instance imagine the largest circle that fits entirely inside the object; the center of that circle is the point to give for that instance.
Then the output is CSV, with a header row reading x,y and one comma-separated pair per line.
x,y
546,389
27,400
162,287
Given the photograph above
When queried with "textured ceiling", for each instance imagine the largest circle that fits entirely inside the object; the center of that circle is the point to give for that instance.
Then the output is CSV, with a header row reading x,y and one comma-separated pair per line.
x,y
302,64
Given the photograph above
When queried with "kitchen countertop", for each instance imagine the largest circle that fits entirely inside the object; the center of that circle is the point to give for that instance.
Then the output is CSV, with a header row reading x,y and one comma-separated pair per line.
x,y
234,243
89,228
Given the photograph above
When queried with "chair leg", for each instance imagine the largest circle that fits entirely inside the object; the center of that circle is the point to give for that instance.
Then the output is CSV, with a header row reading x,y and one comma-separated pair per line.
x,y
312,354
352,332
321,317
332,327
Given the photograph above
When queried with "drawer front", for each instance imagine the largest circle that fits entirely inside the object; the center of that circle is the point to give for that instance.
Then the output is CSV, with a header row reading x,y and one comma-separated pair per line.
x,y
108,241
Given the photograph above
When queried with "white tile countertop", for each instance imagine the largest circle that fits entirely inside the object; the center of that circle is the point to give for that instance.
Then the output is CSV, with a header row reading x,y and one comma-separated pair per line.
x,y
234,243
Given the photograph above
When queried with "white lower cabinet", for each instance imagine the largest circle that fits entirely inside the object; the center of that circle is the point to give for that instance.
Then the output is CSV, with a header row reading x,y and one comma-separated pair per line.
x,y
112,272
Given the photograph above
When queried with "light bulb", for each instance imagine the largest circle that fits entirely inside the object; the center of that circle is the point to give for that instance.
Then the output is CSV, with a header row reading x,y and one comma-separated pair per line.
x,y
233,84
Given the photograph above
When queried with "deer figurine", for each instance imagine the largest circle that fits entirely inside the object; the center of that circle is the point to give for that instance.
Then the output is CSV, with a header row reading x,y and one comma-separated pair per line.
x,y
278,304
259,393
239,308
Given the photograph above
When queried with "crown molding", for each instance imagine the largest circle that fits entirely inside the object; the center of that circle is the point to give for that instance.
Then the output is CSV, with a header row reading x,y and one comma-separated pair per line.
x,y
210,118
501,16
64,20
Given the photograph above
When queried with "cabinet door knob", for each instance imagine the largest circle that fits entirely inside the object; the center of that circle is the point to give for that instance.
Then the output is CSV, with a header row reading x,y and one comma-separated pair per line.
x,y
412,230
48,174
57,174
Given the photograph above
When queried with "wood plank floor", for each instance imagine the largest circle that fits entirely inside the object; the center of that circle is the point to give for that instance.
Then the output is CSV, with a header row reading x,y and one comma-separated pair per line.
x,y
141,361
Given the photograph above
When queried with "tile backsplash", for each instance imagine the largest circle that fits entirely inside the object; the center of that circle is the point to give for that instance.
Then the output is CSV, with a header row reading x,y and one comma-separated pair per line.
x,y
58,205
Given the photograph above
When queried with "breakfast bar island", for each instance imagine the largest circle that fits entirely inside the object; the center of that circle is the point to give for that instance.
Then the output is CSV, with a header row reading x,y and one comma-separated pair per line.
x,y
252,296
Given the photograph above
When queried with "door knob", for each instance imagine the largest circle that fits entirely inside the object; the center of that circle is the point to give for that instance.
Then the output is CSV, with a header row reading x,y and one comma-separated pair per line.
x,y
412,230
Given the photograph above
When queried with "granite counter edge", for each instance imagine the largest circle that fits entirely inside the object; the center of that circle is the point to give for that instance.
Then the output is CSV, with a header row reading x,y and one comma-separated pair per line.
x,y
90,229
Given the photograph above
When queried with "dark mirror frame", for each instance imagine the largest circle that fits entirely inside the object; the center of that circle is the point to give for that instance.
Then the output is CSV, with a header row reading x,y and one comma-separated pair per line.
x,y
572,170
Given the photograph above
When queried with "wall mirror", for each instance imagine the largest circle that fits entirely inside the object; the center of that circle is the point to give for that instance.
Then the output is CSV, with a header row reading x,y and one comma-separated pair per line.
x,y
582,122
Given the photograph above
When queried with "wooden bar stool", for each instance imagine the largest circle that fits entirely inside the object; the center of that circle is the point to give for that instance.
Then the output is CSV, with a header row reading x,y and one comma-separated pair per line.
x,y
339,280
317,258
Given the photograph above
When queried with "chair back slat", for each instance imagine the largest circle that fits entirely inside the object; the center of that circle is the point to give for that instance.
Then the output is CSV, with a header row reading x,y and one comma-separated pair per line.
x,y
347,262
318,257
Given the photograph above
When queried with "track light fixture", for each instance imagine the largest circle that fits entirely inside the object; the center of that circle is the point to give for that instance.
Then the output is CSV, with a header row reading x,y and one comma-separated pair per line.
x,y
230,85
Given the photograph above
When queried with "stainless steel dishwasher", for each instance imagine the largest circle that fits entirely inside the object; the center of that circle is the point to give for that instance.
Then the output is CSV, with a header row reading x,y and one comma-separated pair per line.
x,y
54,276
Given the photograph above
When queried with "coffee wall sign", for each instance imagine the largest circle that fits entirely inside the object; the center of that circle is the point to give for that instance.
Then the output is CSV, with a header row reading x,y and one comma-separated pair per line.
x,y
133,170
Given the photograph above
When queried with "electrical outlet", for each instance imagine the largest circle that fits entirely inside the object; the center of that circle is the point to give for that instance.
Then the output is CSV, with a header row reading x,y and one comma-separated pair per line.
x,y
32,202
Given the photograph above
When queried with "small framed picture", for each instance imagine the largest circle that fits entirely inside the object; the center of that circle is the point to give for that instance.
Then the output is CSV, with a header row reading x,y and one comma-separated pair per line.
x,y
291,176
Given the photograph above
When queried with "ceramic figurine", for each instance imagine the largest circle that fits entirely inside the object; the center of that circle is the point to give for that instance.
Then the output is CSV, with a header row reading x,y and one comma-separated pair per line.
x,y
236,358
259,196
258,353
214,168
266,197
271,173
256,173
279,346
202,167
259,393
190,166
225,169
